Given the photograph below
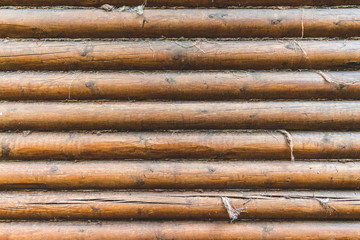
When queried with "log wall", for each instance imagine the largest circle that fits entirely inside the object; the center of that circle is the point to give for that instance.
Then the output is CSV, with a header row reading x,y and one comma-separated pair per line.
x,y
191,119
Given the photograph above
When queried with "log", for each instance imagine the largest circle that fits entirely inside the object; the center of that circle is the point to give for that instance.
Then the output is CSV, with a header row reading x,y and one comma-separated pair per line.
x,y
178,55
210,145
232,205
179,175
175,23
307,115
178,85
185,230
175,3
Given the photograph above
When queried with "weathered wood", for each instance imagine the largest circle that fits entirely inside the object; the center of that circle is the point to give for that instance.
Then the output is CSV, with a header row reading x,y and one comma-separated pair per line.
x,y
179,175
177,145
184,230
307,115
178,55
174,23
114,205
178,85
174,3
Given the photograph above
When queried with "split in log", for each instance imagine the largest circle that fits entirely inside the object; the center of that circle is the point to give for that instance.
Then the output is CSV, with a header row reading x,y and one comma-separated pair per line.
x,y
306,115
179,175
112,205
179,85
18,55
175,23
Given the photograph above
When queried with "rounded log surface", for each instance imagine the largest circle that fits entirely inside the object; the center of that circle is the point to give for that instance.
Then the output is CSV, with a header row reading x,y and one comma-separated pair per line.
x,y
179,175
307,115
181,230
18,55
178,85
174,3
175,23
212,145
127,204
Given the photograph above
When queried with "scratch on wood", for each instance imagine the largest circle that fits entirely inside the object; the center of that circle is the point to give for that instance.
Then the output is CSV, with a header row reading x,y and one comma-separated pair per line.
x,y
233,212
290,142
302,23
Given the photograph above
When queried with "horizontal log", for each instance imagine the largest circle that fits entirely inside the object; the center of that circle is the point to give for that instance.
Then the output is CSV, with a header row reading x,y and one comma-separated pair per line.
x,y
184,230
177,145
178,55
112,205
179,175
307,115
174,3
175,23
178,85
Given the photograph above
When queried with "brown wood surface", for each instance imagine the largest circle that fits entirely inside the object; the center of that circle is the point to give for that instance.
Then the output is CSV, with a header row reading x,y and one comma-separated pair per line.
x,y
305,115
178,85
112,205
174,23
178,55
179,175
238,145
173,3
184,230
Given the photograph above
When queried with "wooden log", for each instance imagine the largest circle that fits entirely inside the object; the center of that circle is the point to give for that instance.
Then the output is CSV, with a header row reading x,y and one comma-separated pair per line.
x,y
112,205
178,85
185,230
180,145
179,175
175,23
175,3
307,115
178,55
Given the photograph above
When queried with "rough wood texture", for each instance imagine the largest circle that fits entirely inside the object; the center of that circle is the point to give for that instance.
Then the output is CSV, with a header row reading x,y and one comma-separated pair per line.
x,y
178,55
176,145
174,23
174,3
114,205
178,85
307,115
179,175
180,230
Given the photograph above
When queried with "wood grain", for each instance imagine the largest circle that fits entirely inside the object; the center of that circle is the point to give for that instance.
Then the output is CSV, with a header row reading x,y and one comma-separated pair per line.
x,y
112,205
178,55
179,175
178,85
185,230
175,23
211,145
306,115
